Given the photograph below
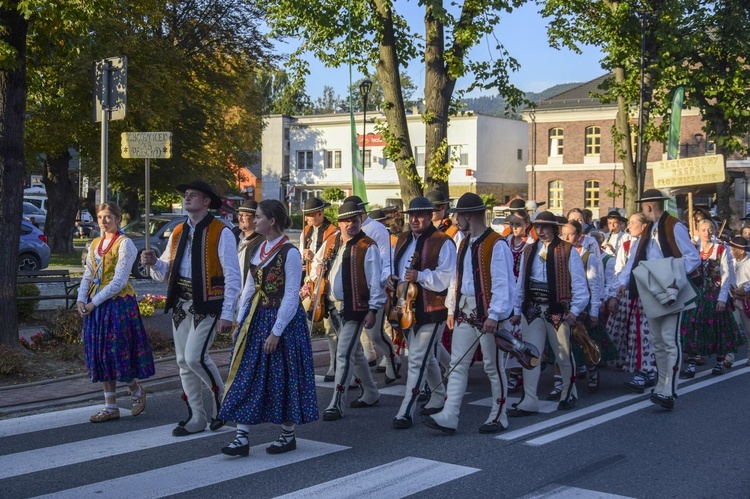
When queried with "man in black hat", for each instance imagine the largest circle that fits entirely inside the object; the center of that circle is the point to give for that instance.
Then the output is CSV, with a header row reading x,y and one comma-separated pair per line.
x,y
664,237
249,239
201,266
551,292
616,235
351,263
375,341
480,299
740,290
426,258
440,218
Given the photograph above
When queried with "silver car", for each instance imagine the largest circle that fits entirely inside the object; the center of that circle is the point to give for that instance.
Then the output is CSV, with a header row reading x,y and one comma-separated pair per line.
x,y
30,211
33,250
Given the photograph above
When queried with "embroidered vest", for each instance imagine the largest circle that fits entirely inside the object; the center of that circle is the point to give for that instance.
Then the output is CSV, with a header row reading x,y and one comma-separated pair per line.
x,y
208,275
559,281
481,265
108,265
270,280
353,278
429,305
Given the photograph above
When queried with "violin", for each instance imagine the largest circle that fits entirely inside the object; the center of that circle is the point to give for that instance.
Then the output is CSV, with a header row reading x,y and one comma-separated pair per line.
x,y
401,315
318,297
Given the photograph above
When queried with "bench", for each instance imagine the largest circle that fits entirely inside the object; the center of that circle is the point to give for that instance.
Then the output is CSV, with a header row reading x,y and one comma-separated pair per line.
x,y
50,277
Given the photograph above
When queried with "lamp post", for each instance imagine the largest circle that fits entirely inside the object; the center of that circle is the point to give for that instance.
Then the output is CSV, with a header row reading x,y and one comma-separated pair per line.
x,y
364,91
698,140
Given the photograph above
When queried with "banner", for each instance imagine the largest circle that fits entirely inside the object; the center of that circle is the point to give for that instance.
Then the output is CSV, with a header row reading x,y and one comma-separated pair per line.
x,y
358,171
673,143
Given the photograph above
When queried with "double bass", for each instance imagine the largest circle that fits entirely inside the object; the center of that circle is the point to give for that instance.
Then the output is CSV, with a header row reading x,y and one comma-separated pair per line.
x,y
401,314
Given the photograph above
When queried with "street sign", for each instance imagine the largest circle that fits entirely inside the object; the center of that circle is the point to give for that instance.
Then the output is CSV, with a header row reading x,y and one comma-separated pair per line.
x,y
687,172
110,75
154,145
290,191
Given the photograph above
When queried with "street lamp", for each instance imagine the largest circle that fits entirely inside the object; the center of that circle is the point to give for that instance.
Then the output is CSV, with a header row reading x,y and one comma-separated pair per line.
x,y
364,91
698,140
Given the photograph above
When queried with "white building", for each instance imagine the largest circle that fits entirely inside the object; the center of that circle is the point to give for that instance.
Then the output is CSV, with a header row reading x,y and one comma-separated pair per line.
x,y
315,151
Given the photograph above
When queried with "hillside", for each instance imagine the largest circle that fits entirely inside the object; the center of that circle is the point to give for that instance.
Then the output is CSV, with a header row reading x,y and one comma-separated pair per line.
x,y
495,105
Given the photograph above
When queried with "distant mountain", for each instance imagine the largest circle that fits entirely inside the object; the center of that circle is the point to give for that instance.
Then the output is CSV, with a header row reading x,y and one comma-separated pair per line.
x,y
495,105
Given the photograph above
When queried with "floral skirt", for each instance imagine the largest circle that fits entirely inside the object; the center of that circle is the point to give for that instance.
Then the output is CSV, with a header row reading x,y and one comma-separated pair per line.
x,y
277,387
631,339
704,331
115,343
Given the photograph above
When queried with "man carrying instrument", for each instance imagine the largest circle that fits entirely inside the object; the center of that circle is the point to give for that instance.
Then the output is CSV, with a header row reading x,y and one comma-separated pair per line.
x,y
249,239
374,338
551,292
351,263
480,298
317,229
423,260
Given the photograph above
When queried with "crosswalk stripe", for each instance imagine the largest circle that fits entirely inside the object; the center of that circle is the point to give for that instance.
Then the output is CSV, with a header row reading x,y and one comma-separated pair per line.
x,y
401,478
88,450
563,492
191,475
49,420
545,406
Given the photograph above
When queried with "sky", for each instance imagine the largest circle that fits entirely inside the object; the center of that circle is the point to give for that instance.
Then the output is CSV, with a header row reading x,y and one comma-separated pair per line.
x,y
524,35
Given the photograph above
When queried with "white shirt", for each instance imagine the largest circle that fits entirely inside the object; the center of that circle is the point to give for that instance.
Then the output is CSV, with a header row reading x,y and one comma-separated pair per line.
x,y
437,279
230,266
126,255
290,300
727,269
595,279
742,273
378,233
373,271
610,278
615,240
579,287
503,281
690,256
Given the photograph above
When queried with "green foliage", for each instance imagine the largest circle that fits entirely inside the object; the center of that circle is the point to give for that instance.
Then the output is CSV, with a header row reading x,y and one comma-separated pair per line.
x,y
11,360
488,199
376,98
298,221
439,167
67,326
333,194
26,308
616,191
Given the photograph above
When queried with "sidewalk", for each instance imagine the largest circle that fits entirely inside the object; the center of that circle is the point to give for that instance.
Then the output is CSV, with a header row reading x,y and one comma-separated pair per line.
x,y
78,388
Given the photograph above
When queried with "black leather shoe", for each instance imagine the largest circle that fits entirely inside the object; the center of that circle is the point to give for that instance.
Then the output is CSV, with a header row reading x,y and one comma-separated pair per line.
x,y
431,423
519,413
240,450
217,423
402,422
332,415
280,449
566,405
329,378
429,411
388,380
181,431
665,402
380,369
373,363
424,395
360,404
492,428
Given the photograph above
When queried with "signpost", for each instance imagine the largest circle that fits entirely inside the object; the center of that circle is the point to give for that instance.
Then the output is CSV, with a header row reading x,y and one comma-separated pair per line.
x,y
110,85
147,145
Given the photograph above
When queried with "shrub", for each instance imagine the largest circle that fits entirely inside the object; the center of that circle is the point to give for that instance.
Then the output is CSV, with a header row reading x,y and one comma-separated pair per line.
x,y
67,327
67,352
11,360
27,308
157,339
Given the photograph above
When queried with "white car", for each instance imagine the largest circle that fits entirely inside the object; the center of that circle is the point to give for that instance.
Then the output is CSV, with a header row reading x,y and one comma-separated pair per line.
x,y
498,224
30,211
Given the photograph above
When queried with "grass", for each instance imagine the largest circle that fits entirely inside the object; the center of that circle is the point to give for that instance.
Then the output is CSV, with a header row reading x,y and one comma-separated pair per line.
x,y
65,259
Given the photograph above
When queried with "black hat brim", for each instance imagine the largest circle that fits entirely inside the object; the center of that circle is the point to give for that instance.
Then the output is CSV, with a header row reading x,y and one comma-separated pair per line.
x,y
216,200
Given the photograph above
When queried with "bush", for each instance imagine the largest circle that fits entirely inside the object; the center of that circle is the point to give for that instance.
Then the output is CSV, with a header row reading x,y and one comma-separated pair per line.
x,y
27,308
67,327
157,340
67,353
297,221
11,360
149,303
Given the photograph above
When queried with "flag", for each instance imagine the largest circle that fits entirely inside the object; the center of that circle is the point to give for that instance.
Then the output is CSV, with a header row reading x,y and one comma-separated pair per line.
x,y
673,145
358,171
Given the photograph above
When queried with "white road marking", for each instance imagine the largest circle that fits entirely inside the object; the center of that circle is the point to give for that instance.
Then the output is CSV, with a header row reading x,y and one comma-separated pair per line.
x,y
401,478
563,492
89,450
590,423
191,475
50,420
545,406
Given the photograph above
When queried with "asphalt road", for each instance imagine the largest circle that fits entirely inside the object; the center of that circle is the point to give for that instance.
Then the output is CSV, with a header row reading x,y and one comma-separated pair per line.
x,y
613,444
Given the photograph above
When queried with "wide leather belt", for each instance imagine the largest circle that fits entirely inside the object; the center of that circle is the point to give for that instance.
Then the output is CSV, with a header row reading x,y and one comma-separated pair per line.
x,y
538,292
184,288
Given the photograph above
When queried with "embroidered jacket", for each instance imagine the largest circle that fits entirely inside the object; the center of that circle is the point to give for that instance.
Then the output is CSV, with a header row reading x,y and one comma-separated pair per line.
x,y
481,264
108,265
558,276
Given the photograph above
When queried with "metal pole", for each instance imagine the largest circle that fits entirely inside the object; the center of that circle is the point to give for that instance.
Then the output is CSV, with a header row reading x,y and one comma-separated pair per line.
x,y
105,130
533,156
364,130
148,202
641,164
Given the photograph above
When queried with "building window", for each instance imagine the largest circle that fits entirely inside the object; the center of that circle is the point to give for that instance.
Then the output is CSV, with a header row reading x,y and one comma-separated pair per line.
x,y
459,155
304,160
591,193
556,142
555,195
593,141
419,155
367,162
333,159
519,153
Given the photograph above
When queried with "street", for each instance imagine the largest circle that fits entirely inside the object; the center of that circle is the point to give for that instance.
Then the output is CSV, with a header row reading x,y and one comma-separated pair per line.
x,y
613,444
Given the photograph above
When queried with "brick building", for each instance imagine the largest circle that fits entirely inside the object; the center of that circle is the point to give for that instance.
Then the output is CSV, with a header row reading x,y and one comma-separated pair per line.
x,y
572,158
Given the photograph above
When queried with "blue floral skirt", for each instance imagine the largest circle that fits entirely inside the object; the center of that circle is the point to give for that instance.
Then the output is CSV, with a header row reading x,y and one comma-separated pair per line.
x,y
276,387
115,343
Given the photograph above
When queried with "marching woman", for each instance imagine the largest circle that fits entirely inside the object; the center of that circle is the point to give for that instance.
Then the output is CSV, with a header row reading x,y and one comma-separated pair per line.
x,y
114,340
710,328
627,324
271,376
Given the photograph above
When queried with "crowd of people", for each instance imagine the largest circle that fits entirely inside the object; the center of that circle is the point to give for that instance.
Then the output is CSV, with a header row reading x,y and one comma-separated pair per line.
x,y
428,285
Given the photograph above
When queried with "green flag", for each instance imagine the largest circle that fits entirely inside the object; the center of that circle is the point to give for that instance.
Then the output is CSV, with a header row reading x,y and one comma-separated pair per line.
x,y
358,171
673,146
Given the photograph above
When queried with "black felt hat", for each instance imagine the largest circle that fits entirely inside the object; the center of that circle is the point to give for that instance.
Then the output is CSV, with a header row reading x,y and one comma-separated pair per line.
x,y
314,204
616,214
739,243
517,204
652,195
199,185
349,209
468,203
356,199
420,204
546,218
378,215
437,197
249,205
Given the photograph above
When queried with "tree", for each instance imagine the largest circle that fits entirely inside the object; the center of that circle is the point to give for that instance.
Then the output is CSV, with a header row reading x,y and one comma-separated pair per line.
x,y
376,98
282,94
329,102
333,194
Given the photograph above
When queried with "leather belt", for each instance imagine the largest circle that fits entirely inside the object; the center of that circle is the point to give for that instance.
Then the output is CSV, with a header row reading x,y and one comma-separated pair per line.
x,y
185,288
538,292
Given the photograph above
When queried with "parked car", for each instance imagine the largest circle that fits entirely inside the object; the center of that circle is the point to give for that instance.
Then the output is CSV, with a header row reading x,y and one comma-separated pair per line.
x,y
31,211
38,200
33,250
498,224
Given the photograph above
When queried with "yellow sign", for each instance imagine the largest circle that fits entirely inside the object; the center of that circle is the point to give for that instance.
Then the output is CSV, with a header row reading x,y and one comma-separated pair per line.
x,y
687,172
155,145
